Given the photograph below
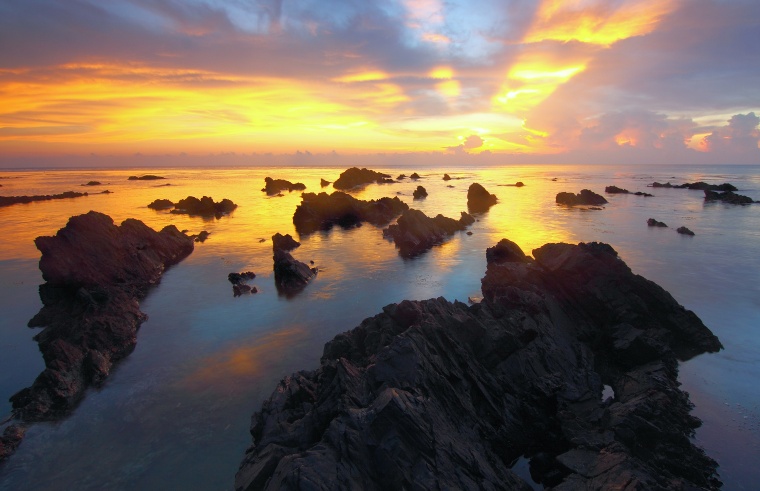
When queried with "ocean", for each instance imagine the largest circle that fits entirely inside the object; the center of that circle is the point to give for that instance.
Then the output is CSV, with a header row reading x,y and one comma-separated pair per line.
x,y
175,414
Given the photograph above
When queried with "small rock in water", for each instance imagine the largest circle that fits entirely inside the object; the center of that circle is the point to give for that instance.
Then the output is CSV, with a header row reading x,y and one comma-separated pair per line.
x,y
684,231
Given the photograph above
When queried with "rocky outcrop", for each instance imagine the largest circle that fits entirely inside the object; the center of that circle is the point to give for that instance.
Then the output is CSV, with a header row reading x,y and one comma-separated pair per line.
x,y
654,223
161,204
205,207
419,193
10,440
322,211
146,177
478,199
92,183
355,177
414,176
324,183
585,197
617,190
239,285
439,395
701,186
95,273
684,231
728,197
290,275
275,186
415,232
285,242
446,177
14,200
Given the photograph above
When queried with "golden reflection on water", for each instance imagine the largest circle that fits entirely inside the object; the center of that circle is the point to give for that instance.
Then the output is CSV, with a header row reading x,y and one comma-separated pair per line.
x,y
243,363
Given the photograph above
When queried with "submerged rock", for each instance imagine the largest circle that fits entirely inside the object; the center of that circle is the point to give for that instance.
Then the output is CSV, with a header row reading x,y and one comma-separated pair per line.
x,y
696,185
92,183
478,199
146,177
275,186
415,232
728,197
684,231
14,200
617,190
585,197
439,395
238,278
419,193
322,211
355,177
95,273
654,223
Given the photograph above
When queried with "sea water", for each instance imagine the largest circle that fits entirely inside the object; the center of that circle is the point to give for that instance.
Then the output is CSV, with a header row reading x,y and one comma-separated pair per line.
x,y
176,412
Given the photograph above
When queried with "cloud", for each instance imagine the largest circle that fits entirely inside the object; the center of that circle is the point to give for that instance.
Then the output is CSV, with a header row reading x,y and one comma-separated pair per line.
x,y
469,143
741,135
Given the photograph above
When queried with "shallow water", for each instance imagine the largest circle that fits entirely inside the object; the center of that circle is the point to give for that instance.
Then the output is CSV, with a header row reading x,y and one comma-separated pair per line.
x,y
175,413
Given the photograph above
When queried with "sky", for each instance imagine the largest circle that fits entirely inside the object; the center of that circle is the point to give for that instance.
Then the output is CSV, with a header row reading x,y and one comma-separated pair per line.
x,y
493,81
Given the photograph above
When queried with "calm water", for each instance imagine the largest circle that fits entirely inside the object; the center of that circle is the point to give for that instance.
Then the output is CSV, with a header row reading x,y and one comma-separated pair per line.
x,y
175,413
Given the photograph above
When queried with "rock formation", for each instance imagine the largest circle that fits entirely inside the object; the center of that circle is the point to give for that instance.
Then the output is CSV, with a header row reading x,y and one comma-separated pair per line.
x,y
414,176
355,177
728,197
95,273
478,199
322,211
439,395
420,193
617,190
205,207
92,183
654,223
585,197
702,186
324,183
146,177
684,231
13,200
274,186
446,177
285,242
415,232
161,204
290,275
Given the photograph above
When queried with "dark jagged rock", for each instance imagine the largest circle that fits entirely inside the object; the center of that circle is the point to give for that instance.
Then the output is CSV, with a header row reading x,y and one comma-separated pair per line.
x,y
275,186
10,440
290,275
324,183
322,211
92,183
238,278
95,274
285,242
13,200
401,177
654,223
205,206
585,197
446,177
506,251
414,176
202,236
684,231
728,197
355,177
146,177
617,190
415,232
701,186
478,199
161,204
439,395
243,289
420,193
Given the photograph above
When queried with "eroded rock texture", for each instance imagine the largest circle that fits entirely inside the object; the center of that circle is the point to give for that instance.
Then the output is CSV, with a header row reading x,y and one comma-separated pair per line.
x,y
440,395
95,274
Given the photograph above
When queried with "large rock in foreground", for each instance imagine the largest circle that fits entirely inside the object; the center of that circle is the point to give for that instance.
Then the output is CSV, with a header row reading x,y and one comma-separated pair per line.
x,y
585,197
415,232
355,177
322,211
95,273
439,395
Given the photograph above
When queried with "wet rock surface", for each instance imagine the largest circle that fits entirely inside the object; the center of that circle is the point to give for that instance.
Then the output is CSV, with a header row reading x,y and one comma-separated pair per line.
x,y
420,193
11,439
728,197
440,395
479,200
684,231
322,211
274,186
415,232
95,273
617,190
654,223
355,177
290,275
585,197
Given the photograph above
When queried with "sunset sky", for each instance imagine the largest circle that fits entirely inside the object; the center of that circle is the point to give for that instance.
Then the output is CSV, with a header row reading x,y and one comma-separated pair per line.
x,y
510,81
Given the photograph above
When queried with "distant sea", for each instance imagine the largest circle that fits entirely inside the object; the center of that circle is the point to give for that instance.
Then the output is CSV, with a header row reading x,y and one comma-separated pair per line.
x,y
176,413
